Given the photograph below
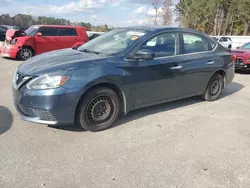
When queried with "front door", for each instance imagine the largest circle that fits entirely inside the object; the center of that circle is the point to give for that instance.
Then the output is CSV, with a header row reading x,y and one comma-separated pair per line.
x,y
159,79
49,40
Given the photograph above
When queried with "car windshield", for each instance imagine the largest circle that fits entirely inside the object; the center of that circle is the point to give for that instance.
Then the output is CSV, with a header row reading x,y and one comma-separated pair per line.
x,y
112,42
246,46
32,31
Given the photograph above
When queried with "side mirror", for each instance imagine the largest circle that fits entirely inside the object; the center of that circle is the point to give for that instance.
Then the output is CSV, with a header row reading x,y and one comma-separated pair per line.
x,y
145,54
39,34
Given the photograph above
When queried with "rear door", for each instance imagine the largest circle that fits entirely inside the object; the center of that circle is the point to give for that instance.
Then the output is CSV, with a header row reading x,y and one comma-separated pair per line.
x,y
199,62
49,40
68,37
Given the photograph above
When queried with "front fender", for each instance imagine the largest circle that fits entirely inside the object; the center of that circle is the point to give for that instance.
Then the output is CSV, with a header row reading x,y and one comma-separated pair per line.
x,y
23,41
89,78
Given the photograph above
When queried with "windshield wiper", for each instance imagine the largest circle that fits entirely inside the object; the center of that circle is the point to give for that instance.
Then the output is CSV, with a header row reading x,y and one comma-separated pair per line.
x,y
89,51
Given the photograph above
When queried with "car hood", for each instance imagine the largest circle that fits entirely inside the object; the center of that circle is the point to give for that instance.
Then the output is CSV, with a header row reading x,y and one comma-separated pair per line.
x,y
12,33
58,61
241,52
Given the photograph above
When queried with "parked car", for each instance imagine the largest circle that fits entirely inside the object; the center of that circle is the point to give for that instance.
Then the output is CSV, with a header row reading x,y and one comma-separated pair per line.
x,y
242,55
41,38
13,27
2,33
120,71
224,41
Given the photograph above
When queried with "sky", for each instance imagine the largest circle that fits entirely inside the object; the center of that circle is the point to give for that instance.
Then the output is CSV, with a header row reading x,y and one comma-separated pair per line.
x,y
96,12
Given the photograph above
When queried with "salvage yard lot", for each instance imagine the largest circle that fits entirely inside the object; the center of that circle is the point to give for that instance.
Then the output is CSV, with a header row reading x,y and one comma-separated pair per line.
x,y
188,143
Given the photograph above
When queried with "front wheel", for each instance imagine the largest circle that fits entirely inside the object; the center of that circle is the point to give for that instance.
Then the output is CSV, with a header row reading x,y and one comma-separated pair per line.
x,y
214,88
25,53
99,109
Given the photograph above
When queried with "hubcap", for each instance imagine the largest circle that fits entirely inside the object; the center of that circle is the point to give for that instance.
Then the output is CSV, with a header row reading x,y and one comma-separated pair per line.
x,y
26,53
99,109
215,87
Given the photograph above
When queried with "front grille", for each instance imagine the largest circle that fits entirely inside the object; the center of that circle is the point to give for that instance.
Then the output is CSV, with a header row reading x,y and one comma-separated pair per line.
x,y
44,115
23,109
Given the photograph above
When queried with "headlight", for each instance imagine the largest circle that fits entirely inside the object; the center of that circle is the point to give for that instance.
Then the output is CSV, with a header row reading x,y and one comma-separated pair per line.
x,y
14,41
248,60
47,82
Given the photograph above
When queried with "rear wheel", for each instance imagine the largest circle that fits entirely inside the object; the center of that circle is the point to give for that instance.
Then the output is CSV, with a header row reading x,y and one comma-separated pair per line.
x,y
25,53
214,88
99,109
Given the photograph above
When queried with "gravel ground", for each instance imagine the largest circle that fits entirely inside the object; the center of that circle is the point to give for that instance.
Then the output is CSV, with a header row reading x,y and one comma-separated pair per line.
x,y
184,144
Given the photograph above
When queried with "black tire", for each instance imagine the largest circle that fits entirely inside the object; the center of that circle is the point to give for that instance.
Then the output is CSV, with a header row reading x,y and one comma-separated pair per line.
x,y
230,46
214,88
25,53
98,110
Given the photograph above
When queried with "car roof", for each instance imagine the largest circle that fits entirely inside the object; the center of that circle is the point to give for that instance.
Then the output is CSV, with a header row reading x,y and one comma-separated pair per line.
x,y
163,28
60,26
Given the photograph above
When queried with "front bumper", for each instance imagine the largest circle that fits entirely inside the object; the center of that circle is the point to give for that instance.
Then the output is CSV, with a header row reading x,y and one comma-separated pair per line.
x,y
241,65
9,51
51,107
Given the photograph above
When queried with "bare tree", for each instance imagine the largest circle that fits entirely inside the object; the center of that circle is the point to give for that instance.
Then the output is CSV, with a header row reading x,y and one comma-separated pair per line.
x,y
167,12
156,5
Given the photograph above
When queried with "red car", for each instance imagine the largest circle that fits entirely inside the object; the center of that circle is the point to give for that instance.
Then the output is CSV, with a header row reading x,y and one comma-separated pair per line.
x,y
242,57
41,38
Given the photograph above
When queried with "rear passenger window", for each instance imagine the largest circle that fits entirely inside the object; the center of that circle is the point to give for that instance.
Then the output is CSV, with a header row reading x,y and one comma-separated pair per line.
x,y
67,32
49,31
224,39
212,44
194,43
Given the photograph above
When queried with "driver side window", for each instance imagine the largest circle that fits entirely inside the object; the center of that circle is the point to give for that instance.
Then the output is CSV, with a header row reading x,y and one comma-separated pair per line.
x,y
166,44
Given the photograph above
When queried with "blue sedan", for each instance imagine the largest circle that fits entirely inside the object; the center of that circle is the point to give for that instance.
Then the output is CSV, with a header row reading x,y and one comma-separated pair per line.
x,y
119,71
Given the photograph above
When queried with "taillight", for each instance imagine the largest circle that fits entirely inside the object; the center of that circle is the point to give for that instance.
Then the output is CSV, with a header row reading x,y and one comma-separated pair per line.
x,y
233,57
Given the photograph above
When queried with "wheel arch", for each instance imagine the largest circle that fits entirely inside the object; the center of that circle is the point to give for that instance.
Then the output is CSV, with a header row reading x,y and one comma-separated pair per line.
x,y
120,93
26,46
223,74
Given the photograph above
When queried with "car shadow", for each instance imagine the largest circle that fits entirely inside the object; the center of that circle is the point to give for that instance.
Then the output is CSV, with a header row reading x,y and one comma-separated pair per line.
x,y
11,59
232,88
6,119
242,72
137,114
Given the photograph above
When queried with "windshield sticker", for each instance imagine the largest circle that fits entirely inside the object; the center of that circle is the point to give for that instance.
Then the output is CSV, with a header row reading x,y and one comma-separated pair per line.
x,y
135,33
134,37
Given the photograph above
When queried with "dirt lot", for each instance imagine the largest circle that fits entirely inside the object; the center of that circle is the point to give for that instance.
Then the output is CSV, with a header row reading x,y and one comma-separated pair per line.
x,y
184,144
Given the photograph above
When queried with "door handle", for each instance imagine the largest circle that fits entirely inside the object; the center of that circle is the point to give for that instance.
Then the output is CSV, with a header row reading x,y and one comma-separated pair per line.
x,y
176,67
210,63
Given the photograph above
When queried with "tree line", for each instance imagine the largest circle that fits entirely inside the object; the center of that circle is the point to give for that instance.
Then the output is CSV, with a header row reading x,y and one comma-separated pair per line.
x,y
25,21
215,17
